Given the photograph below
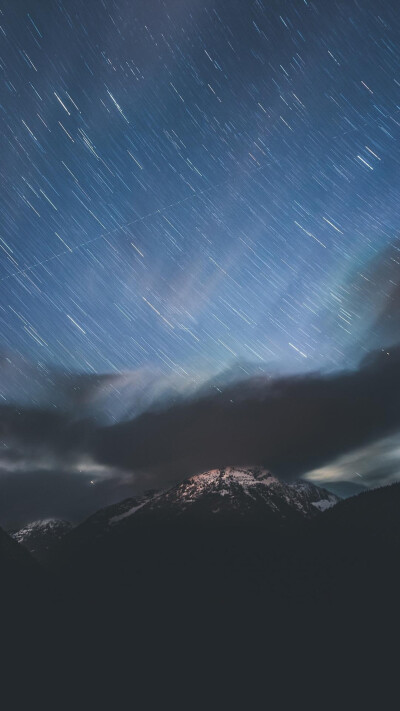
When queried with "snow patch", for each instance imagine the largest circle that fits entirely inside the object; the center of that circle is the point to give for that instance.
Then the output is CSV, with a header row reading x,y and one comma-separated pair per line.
x,y
131,511
324,504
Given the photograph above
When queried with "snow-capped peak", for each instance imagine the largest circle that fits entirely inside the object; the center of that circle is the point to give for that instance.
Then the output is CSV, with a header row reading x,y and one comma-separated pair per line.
x,y
245,492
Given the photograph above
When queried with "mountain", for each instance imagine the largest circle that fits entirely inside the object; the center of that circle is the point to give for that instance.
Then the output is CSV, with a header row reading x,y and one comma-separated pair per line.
x,y
210,527
41,538
200,566
359,543
290,577
21,578
240,494
343,572
103,522
249,496
12,555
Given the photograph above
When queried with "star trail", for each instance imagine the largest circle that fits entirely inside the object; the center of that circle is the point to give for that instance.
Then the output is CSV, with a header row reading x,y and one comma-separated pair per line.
x,y
187,185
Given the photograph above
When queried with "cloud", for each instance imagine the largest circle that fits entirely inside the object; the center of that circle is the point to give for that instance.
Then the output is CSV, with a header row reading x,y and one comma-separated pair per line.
x,y
47,469
104,397
376,464
35,432
291,425
69,494
372,297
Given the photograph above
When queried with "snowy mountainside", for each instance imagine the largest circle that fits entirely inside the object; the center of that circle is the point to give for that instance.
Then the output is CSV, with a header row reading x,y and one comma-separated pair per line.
x,y
239,492
99,524
41,537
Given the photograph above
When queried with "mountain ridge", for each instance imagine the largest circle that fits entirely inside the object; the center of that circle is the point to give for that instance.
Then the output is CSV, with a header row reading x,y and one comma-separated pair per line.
x,y
239,493
41,537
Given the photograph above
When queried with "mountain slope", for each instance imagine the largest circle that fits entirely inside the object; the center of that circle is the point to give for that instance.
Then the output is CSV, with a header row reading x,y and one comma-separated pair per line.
x,y
91,531
20,575
12,555
346,560
41,538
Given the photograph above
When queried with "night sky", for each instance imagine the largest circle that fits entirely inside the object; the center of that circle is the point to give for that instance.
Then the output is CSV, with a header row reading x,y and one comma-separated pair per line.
x,y
191,187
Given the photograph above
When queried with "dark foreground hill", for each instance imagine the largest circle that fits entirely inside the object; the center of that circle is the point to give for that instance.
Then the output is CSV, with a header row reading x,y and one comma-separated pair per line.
x,y
353,551
295,602
17,567
27,601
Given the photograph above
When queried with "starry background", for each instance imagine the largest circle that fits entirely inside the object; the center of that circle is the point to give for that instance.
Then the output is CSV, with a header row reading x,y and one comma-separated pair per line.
x,y
188,184
192,188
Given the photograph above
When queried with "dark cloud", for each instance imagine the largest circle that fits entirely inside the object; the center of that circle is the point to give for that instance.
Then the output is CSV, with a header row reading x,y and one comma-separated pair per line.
x,y
44,468
291,425
34,431
72,495
375,464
